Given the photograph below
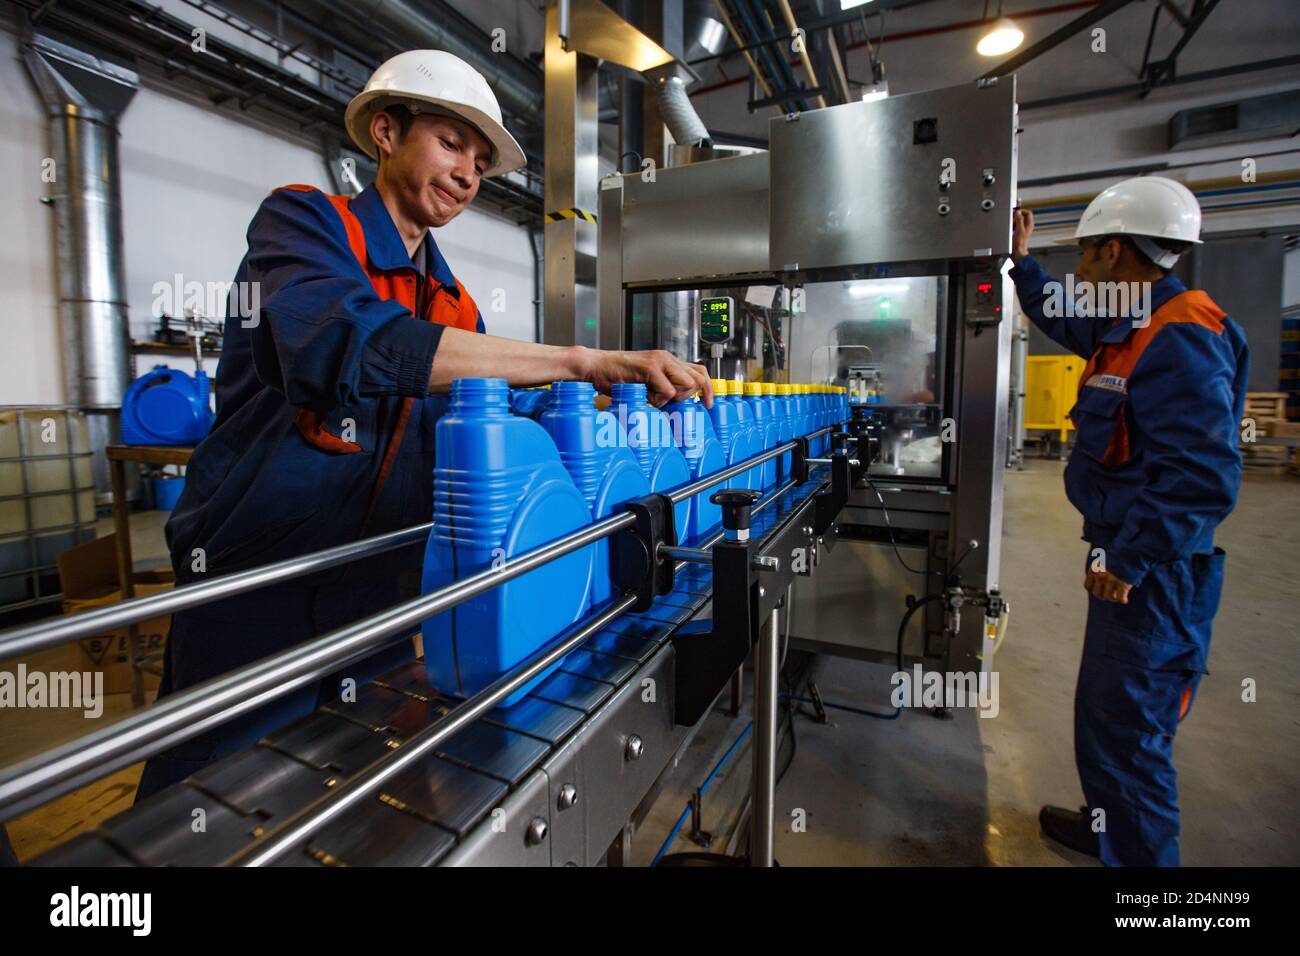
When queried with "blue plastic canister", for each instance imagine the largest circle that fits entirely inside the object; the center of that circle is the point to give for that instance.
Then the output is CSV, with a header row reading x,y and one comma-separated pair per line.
x,y
602,467
802,418
703,453
167,491
784,425
729,431
530,402
766,430
166,407
499,489
752,434
648,433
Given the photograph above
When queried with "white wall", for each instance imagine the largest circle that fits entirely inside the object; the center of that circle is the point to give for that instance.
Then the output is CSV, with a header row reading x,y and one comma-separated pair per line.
x,y
30,372
192,177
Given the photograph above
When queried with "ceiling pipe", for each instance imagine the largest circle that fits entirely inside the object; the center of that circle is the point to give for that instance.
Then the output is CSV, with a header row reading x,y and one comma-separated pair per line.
x,y
517,85
803,50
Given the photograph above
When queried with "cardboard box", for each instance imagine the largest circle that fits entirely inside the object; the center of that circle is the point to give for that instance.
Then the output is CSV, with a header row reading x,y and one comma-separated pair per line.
x,y
88,578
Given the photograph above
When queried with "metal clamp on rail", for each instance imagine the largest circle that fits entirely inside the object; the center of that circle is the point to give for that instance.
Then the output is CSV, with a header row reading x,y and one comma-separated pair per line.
x,y
638,563
799,461
708,652
831,501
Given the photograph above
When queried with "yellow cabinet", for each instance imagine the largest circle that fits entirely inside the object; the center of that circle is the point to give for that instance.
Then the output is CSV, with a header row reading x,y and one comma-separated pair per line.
x,y
1051,388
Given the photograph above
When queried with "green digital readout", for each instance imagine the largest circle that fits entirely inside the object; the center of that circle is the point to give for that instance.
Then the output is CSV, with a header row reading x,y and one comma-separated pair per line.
x,y
716,316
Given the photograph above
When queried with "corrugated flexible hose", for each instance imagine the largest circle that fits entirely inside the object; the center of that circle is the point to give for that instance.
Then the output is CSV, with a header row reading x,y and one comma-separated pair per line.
x,y
679,115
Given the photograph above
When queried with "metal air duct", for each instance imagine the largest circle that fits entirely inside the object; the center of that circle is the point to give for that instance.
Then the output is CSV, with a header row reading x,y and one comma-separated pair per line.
x,y
84,97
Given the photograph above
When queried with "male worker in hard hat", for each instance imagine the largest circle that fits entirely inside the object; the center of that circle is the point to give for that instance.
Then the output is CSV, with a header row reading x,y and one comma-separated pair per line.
x,y
328,396
1154,469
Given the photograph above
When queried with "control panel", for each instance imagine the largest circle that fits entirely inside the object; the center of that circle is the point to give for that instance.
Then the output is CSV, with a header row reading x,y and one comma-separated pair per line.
x,y
717,319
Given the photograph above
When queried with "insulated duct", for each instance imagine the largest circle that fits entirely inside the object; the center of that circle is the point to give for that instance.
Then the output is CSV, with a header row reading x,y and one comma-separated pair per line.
x,y
84,97
679,114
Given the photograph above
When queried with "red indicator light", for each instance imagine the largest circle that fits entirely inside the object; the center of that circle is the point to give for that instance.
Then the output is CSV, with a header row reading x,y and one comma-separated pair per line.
x,y
984,287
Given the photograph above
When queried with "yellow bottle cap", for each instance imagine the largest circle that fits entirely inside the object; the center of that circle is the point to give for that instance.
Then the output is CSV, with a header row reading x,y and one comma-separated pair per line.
x,y
753,388
719,386
769,388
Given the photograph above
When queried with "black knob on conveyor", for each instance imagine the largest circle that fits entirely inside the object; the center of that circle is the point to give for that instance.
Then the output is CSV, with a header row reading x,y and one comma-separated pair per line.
x,y
736,504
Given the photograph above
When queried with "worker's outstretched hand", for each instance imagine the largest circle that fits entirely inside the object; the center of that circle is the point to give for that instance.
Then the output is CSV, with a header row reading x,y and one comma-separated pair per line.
x,y
1022,227
1107,587
667,378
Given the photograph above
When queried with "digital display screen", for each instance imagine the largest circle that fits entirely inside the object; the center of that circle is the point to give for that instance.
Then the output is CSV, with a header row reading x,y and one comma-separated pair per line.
x,y
716,317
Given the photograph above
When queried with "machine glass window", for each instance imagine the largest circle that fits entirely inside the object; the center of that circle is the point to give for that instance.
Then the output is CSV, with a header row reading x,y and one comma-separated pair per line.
x,y
884,340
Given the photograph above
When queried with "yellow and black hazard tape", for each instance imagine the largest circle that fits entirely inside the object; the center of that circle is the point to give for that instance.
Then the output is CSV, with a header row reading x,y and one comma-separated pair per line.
x,y
570,214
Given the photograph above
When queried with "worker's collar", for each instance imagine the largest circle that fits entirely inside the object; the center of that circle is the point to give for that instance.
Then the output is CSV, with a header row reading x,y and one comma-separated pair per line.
x,y
384,246
1161,292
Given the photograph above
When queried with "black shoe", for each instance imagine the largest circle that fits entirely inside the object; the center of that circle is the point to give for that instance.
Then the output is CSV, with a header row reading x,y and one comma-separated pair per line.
x,y
1070,828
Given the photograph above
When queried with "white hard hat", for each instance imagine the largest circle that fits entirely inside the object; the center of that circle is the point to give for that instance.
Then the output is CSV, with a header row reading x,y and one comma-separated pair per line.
x,y
1147,206
443,81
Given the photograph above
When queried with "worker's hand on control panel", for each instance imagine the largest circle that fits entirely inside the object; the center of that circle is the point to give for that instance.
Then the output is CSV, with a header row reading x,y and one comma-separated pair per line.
x,y
1107,587
1022,222
667,378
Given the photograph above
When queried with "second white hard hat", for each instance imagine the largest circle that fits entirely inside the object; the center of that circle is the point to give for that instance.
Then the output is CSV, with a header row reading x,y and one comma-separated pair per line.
x,y
441,80
1146,206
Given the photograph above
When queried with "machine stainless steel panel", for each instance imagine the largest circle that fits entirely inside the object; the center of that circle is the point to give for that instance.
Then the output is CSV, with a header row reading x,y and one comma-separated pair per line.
x,y
853,604
914,178
519,836
626,746
715,212
981,446
568,795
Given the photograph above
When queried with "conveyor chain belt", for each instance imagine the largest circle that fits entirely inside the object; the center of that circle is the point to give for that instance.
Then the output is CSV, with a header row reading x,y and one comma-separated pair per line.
x,y
422,814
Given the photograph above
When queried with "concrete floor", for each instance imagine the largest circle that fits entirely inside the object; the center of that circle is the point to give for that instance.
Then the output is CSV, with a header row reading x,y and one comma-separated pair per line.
x,y
25,733
919,791
923,791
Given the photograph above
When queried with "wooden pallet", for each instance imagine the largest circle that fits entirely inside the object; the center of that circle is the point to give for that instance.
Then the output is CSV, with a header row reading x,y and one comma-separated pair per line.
x,y
1262,450
1266,406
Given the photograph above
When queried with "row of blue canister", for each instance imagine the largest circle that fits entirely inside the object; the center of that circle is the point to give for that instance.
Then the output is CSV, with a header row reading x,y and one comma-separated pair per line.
x,y
516,470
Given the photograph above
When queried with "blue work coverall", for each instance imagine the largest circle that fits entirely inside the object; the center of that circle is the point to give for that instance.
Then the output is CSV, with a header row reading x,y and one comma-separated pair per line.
x,y
1155,468
324,344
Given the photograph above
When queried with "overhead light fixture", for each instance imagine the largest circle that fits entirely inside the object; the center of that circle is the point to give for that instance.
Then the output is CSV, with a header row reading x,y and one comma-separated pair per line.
x,y
863,288
850,4
1003,37
876,91
878,88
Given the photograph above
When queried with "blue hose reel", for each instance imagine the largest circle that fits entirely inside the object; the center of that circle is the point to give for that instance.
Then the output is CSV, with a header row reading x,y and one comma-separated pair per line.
x,y
165,406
